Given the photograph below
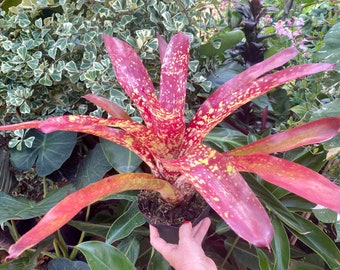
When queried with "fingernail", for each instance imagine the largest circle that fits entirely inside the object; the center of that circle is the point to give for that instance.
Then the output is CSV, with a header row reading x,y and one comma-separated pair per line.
x,y
186,222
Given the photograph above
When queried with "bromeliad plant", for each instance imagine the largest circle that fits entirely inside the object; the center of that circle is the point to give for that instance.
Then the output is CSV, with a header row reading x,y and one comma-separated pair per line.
x,y
181,164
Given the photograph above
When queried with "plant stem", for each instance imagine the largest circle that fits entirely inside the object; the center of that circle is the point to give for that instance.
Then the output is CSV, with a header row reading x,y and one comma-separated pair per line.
x,y
14,231
82,235
44,187
230,251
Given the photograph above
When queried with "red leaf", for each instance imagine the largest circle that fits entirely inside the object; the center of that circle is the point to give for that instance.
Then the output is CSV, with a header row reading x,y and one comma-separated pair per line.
x,y
174,76
136,82
67,208
110,107
313,132
134,78
215,178
293,177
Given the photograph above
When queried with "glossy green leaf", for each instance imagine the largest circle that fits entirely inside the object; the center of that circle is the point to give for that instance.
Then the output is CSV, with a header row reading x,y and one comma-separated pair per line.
x,y
121,159
325,215
102,256
264,261
130,246
225,139
157,262
225,39
21,208
280,245
67,264
125,224
318,241
48,152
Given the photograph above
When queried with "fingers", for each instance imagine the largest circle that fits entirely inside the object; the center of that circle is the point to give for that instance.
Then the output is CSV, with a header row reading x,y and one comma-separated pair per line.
x,y
185,231
155,239
200,230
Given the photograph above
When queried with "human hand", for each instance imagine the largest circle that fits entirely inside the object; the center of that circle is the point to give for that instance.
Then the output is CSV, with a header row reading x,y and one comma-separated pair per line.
x,y
188,253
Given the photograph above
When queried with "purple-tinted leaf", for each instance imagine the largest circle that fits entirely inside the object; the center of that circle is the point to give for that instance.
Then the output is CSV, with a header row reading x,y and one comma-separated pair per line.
x,y
313,132
291,176
217,107
57,216
215,178
110,107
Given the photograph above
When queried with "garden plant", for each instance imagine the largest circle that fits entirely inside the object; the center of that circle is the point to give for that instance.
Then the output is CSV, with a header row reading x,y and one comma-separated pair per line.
x,y
182,153
180,163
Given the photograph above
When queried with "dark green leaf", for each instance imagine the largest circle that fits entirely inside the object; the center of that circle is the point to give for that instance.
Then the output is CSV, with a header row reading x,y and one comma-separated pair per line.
x,y
130,247
325,215
312,236
48,152
121,158
66,264
125,224
7,179
91,228
21,208
224,139
280,245
92,168
264,261
101,256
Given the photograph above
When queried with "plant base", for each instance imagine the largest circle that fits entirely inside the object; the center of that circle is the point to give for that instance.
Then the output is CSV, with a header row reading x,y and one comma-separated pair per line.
x,y
167,217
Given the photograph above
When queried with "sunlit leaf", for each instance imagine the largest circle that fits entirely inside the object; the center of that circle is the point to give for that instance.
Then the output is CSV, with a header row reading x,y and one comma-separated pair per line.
x,y
101,256
125,224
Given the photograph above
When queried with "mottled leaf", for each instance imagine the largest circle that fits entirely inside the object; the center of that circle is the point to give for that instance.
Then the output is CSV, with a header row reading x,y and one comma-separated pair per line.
x,y
310,133
219,183
291,176
57,216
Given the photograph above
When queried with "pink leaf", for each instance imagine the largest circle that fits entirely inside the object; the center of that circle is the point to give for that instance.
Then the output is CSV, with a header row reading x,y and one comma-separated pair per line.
x,y
133,77
313,132
174,76
215,178
110,107
217,107
67,208
291,176
24,125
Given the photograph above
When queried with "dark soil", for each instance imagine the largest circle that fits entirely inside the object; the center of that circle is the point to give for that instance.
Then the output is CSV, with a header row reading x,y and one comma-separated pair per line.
x,y
157,210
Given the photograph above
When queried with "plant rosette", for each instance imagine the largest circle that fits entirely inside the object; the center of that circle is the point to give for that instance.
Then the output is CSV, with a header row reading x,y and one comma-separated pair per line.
x,y
181,164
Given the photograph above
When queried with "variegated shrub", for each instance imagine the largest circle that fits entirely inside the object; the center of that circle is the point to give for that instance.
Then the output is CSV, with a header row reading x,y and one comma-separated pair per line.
x,y
180,163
